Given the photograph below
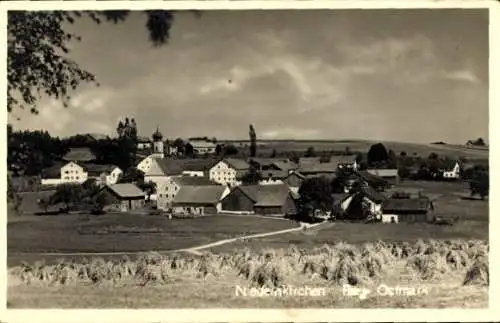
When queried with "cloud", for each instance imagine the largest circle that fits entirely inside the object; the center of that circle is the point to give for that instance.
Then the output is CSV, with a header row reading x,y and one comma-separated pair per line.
x,y
465,75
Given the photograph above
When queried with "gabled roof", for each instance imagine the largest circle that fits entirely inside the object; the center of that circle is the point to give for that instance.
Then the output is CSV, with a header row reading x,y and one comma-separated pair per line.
x,y
82,154
406,205
98,136
196,164
307,160
237,164
317,168
343,159
126,190
276,174
266,195
370,178
96,169
266,161
373,194
168,167
193,181
285,165
199,194
296,173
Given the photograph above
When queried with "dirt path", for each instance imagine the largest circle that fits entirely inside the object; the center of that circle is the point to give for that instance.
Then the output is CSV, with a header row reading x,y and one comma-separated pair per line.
x,y
193,250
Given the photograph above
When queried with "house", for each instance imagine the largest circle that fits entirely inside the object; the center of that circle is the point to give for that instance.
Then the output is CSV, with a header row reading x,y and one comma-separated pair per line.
x,y
285,165
144,143
294,179
408,210
390,175
364,203
165,197
123,197
227,171
260,199
197,167
82,155
272,177
311,169
372,180
160,172
450,169
203,146
104,174
79,173
345,161
268,163
199,200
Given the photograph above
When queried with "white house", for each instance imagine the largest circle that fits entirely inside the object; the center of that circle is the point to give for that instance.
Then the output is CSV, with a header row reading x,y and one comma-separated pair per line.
x,y
227,171
273,177
451,170
74,173
144,143
203,147
172,186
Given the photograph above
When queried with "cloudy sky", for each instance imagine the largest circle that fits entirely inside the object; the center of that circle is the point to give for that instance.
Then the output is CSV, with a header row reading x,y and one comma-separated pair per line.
x,y
402,75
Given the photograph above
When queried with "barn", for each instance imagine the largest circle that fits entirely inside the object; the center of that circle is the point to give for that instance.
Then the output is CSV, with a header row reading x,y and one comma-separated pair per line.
x,y
408,210
122,197
260,199
199,200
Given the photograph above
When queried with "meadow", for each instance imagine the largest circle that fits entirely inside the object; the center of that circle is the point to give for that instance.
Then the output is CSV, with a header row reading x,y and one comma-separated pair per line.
x,y
266,147
437,274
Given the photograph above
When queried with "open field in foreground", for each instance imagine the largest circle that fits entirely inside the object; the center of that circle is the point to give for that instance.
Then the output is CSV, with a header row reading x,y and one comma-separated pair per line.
x,y
422,150
434,274
29,237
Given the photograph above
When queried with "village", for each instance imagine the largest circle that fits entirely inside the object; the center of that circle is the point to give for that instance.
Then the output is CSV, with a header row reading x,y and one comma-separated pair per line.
x,y
172,185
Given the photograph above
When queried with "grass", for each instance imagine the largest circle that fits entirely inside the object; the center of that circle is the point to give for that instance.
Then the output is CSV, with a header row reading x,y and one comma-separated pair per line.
x,y
422,150
28,239
454,273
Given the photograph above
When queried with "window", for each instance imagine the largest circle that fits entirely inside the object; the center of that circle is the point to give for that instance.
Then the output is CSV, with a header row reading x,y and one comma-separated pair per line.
x,y
66,172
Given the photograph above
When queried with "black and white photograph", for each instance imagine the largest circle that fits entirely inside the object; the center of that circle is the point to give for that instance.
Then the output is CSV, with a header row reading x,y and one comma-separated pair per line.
x,y
247,158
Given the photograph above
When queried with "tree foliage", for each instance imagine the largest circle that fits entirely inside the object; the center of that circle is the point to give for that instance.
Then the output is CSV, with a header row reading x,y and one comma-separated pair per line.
x,y
38,48
253,141
315,194
480,184
252,176
377,154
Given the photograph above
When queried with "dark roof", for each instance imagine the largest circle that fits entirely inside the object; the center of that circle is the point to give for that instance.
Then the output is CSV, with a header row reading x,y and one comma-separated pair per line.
x,y
238,164
307,160
169,166
126,190
370,178
343,159
447,164
285,165
193,164
52,171
406,205
278,174
97,169
193,181
317,168
298,174
373,194
199,194
266,161
82,154
266,195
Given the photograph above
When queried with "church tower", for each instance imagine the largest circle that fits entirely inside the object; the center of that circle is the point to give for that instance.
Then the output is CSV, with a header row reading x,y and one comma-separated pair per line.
x,y
158,150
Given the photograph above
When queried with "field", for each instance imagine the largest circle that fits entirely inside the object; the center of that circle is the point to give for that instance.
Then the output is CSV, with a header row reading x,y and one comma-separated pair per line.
x,y
423,150
29,237
436,274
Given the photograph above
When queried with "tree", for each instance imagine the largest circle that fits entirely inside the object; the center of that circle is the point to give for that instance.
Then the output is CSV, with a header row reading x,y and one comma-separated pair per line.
x,y
132,175
325,158
37,45
180,145
315,194
14,200
274,153
67,194
480,184
433,156
377,154
253,141
252,176
148,187
230,150
44,203
403,154
310,152
189,150
218,150
294,158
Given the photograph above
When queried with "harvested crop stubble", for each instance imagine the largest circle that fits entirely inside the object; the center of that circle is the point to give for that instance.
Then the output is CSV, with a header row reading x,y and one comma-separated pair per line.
x,y
338,264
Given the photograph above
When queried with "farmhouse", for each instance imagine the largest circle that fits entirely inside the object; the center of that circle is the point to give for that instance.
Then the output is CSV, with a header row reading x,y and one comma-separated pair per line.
x,y
203,146
294,179
123,197
372,180
260,199
174,184
364,203
390,175
450,169
199,200
408,210
81,155
227,171
345,161
103,174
